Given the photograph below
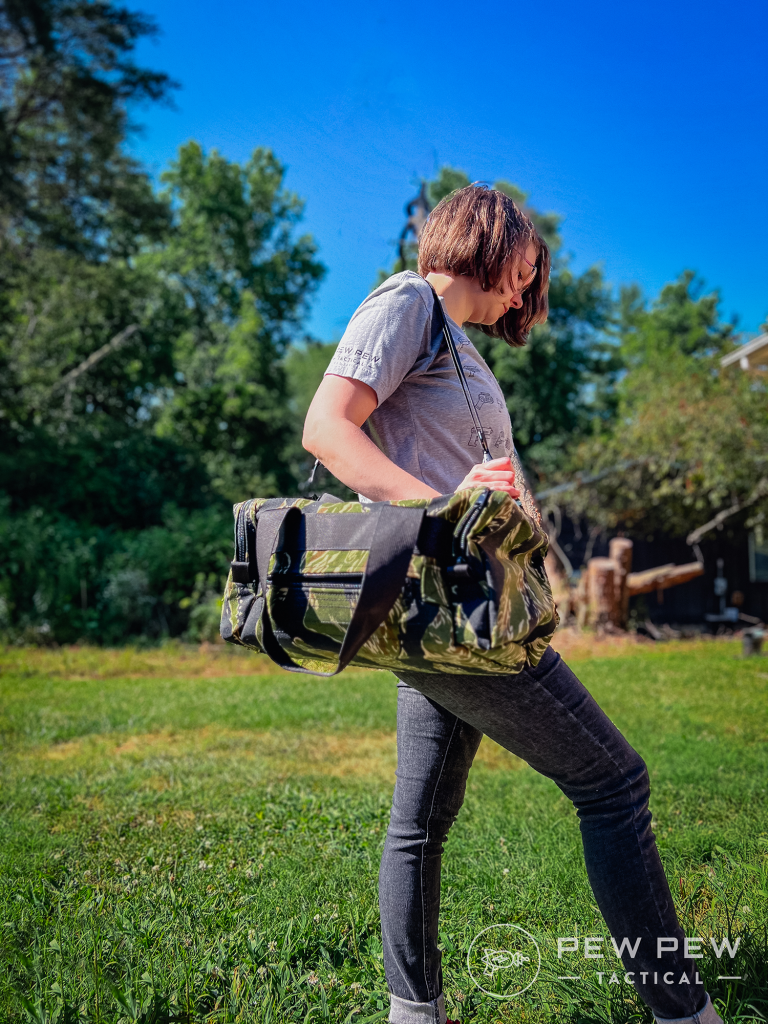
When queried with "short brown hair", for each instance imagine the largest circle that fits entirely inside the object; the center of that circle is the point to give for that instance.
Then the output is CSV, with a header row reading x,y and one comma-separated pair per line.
x,y
475,232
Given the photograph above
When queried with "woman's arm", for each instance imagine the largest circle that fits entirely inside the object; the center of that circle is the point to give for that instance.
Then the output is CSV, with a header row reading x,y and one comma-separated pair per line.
x,y
332,434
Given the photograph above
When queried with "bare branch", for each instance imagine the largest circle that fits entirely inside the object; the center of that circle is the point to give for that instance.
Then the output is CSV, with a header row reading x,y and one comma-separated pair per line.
x,y
95,357
580,479
564,559
553,532
695,536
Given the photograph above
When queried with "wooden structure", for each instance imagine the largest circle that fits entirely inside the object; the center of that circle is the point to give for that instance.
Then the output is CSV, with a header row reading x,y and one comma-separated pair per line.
x,y
602,596
663,577
752,357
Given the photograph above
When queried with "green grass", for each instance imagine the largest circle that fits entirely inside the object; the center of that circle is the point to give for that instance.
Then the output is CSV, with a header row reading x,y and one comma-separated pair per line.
x,y
188,837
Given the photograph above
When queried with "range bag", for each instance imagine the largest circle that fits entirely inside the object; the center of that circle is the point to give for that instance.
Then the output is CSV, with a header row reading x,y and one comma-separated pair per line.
x,y
452,584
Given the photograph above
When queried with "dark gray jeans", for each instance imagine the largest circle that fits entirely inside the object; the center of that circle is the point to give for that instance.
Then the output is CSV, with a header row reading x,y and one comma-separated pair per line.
x,y
545,716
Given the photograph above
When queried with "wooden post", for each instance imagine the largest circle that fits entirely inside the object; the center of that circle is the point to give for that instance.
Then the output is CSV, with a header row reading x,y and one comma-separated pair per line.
x,y
582,601
620,553
602,597
602,592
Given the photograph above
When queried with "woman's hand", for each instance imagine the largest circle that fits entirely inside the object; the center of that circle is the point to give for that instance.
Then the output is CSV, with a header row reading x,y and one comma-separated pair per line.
x,y
496,475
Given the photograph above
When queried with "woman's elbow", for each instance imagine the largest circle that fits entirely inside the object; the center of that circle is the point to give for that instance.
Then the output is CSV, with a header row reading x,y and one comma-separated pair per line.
x,y
340,403
309,437
315,427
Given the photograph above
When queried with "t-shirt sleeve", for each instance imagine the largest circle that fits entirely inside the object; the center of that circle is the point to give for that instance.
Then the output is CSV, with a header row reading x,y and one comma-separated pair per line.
x,y
386,338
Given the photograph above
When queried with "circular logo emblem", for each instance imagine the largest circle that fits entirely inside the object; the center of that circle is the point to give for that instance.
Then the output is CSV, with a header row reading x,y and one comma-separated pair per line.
x,y
504,960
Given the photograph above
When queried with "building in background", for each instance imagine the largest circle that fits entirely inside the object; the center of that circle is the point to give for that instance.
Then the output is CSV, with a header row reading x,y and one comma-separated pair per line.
x,y
753,356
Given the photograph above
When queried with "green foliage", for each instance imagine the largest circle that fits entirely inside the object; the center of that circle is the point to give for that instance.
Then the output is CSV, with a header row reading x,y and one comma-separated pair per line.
x,y
83,435
690,448
65,579
682,323
149,368
49,565
304,367
66,82
141,342
448,180
60,310
696,436
246,281
159,576
185,839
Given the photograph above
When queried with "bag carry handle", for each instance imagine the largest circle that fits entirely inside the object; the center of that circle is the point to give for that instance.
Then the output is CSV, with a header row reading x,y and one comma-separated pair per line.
x,y
487,457
394,539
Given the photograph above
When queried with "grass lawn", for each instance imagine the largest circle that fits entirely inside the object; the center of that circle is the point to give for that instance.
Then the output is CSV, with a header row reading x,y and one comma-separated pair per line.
x,y
188,836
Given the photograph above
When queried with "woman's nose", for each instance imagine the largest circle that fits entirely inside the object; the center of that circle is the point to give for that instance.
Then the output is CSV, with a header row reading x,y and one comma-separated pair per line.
x,y
517,301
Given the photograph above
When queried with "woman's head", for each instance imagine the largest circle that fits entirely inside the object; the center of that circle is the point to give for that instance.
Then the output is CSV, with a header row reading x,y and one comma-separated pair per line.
x,y
479,233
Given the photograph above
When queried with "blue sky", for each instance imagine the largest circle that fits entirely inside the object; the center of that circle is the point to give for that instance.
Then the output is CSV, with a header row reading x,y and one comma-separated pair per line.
x,y
644,124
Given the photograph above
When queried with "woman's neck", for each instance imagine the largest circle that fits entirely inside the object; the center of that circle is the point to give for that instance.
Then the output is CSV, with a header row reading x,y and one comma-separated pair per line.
x,y
455,293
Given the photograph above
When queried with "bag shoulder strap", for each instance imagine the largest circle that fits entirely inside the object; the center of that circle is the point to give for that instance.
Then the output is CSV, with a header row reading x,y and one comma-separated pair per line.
x,y
527,504
438,313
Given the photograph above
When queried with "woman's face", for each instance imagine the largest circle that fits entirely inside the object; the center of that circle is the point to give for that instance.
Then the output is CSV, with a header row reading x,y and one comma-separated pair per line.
x,y
490,306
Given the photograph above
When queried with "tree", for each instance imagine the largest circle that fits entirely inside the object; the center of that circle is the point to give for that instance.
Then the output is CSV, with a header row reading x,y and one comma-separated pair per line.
x,y
86,336
681,328
305,365
66,82
142,396
246,282
141,338
689,439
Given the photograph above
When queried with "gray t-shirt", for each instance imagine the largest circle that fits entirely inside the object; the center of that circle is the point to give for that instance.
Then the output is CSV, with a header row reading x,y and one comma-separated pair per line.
x,y
422,422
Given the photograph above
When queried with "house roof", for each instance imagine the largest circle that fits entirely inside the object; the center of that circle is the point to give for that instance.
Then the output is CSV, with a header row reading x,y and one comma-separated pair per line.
x,y
752,356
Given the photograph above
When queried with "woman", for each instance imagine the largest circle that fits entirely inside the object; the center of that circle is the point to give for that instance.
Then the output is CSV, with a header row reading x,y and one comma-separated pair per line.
x,y
390,421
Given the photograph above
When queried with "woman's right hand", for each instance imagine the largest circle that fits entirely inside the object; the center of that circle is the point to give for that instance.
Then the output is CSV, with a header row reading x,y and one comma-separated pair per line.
x,y
496,475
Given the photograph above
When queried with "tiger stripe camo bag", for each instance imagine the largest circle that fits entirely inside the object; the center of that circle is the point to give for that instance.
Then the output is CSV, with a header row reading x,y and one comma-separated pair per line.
x,y
452,584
